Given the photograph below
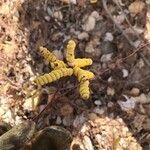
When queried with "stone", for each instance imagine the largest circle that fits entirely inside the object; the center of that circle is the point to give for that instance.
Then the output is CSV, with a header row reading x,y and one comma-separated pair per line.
x,y
134,91
83,36
110,91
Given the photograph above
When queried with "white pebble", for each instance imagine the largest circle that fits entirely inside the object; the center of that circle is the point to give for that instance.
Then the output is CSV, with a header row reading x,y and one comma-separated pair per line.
x,y
58,15
91,21
47,18
83,35
110,91
106,57
58,120
110,79
119,18
125,73
98,102
108,37
129,104
98,110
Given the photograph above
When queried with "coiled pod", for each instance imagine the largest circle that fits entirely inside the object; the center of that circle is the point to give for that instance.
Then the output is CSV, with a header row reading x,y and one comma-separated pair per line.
x,y
70,52
53,76
48,56
82,62
82,74
84,89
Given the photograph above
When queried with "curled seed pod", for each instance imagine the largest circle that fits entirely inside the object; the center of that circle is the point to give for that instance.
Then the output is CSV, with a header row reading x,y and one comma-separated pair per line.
x,y
53,76
70,51
82,62
84,89
82,74
58,64
48,56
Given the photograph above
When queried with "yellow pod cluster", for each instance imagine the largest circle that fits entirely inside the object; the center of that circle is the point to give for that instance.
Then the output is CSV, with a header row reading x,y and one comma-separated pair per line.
x,y
53,76
60,69
84,89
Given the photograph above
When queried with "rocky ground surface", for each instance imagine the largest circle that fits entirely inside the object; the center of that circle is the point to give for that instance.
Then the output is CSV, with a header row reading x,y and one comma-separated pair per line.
x,y
114,34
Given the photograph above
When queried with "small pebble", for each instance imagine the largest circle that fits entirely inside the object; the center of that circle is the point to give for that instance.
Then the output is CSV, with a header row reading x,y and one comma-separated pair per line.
x,y
135,92
110,79
98,110
58,15
58,120
110,91
89,48
136,7
106,57
127,105
110,104
108,37
125,73
142,99
83,35
98,102
119,18
47,18
49,11
69,1
92,116
147,1
91,21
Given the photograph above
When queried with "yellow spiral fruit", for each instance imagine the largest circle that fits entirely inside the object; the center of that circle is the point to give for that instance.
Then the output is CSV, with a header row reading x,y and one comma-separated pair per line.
x,y
82,74
53,76
70,51
48,56
82,62
58,64
84,89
